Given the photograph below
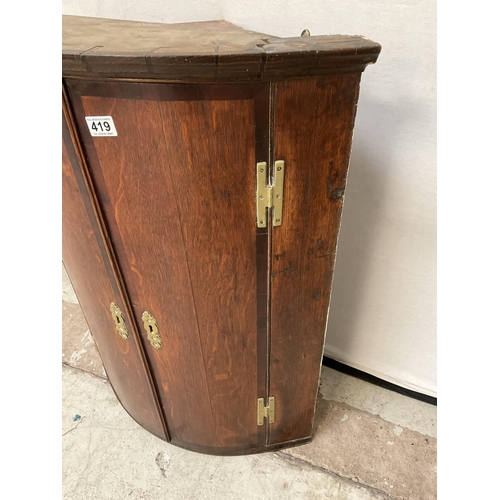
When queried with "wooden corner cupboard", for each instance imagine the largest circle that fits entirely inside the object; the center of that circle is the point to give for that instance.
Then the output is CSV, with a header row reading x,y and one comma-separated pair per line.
x,y
204,169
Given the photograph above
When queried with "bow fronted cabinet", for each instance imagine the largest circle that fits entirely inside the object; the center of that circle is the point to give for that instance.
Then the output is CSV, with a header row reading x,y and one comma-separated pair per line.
x,y
204,169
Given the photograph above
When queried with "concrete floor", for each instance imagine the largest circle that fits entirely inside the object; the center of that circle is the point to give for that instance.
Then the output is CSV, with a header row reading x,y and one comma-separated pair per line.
x,y
369,443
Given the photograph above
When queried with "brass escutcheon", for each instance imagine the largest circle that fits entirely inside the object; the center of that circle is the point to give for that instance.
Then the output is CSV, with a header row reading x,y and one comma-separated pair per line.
x,y
151,328
118,319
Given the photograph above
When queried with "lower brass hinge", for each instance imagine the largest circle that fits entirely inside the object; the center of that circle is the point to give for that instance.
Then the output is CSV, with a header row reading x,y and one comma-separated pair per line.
x,y
270,196
265,411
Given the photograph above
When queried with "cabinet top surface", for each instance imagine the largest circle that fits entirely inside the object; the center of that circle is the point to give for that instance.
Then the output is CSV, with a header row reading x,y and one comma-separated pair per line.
x,y
210,51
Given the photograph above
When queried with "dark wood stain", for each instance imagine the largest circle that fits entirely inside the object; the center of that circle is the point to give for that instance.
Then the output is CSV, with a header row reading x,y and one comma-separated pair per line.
x,y
313,128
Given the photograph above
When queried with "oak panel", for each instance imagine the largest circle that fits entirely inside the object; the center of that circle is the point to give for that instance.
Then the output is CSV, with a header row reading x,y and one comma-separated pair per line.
x,y
139,204
177,190
211,155
314,121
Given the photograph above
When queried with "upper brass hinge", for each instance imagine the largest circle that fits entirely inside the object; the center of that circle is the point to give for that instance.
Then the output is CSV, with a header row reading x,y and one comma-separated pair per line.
x,y
270,196
265,411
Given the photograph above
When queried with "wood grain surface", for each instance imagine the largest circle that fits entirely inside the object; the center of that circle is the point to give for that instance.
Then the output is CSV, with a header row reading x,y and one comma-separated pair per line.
x,y
90,272
314,120
177,190
210,156
204,51
241,311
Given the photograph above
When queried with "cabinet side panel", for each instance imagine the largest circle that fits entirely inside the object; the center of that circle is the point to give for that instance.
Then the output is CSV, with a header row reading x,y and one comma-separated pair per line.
x,y
88,268
314,120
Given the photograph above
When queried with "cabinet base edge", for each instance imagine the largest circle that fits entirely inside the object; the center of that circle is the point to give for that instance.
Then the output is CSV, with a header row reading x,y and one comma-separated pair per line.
x,y
209,450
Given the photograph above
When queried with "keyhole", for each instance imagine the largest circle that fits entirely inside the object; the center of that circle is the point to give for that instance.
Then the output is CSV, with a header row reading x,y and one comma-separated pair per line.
x,y
150,329
117,319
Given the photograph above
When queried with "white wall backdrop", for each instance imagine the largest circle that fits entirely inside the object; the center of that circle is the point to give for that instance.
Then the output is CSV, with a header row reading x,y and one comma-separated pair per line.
x,y
383,311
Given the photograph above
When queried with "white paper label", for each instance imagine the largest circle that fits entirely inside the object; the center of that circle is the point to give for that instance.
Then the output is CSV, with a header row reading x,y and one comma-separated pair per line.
x,y
101,126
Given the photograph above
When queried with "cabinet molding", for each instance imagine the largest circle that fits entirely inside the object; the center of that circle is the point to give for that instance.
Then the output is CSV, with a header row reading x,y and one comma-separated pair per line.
x,y
205,51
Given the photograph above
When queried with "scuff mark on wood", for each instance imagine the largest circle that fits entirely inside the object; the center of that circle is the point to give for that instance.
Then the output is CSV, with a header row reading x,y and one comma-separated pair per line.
x,y
324,256
333,194
288,269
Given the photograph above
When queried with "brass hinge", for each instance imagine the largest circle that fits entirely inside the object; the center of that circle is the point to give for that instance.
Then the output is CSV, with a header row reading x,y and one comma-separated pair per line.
x,y
270,196
265,411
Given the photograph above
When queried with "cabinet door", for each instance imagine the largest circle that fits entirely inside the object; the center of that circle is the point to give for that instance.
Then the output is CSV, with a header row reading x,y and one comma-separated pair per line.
x,y
86,261
314,120
177,190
